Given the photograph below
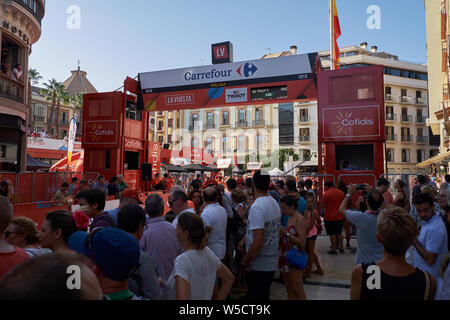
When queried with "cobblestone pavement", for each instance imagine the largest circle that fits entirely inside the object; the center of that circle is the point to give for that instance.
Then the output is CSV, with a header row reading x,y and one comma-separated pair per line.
x,y
333,285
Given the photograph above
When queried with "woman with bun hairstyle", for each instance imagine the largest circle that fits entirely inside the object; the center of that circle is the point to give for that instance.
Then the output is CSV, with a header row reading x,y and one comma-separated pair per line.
x,y
195,271
56,229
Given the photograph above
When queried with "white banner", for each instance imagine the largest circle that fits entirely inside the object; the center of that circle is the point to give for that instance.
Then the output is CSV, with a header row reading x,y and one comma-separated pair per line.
x,y
223,163
71,140
236,95
247,70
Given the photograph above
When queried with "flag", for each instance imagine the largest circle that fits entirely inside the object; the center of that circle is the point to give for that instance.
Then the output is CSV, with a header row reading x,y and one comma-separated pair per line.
x,y
336,33
71,140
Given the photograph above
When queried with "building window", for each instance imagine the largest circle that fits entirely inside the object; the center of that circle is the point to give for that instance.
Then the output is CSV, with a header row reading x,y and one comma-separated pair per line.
x,y
160,139
194,143
160,125
304,117
169,138
445,89
286,123
209,120
225,118
241,115
224,144
388,90
209,145
405,155
259,116
170,123
241,143
390,155
258,142
419,156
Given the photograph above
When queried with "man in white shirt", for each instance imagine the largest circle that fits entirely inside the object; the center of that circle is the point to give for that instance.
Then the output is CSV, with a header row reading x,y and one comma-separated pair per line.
x,y
178,204
215,217
17,73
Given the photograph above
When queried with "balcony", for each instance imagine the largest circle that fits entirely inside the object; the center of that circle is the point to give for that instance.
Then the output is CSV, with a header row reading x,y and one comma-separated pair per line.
x,y
407,118
407,99
304,119
421,101
39,119
391,117
407,139
391,97
241,124
422,139
259,122
210,126
391,137
304,139
11,89
37,9
421,119
195,127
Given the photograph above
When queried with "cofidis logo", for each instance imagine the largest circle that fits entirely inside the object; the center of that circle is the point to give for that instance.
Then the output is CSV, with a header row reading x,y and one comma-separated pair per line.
x,y
101,132
245,70
346,123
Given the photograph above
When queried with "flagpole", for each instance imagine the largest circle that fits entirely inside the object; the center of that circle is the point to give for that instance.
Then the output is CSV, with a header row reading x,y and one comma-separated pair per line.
x,y
332,35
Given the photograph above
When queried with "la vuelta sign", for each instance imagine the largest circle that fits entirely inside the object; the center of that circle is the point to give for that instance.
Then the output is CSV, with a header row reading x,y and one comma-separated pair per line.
x,y
351,122
100,132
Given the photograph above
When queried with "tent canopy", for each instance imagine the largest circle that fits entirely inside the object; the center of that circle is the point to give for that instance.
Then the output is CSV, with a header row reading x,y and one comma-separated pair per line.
x,y
276,172
436,159
173,168
33,164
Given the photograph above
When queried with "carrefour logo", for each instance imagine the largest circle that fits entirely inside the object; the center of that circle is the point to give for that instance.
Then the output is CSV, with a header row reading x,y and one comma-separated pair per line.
x,y
244,70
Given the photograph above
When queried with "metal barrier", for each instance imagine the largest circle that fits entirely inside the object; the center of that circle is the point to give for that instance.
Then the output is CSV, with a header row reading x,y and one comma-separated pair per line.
x,y
405,177
31,187
358,178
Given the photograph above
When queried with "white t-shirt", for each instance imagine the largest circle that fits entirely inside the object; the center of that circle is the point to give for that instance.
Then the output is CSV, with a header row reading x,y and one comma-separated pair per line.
x,y
199,268
19,73
265,214
216,217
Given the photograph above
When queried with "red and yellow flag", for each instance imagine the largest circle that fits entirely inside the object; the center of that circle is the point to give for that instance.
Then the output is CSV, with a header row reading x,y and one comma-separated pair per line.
x,y
335,34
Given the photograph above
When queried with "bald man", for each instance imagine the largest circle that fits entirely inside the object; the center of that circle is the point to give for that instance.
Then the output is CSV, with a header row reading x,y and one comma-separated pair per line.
x,y
216,217
11,256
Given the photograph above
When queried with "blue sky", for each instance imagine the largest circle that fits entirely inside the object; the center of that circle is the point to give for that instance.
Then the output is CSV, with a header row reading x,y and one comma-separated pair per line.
x,y
122,38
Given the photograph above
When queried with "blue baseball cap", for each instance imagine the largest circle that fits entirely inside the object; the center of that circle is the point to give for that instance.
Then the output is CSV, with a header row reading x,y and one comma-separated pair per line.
x,y
116,253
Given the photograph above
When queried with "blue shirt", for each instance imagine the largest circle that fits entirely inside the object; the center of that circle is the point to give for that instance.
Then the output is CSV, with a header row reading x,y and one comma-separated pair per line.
x,y
369,249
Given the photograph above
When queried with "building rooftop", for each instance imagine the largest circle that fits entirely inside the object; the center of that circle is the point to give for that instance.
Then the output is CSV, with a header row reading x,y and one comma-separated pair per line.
x,y
78,83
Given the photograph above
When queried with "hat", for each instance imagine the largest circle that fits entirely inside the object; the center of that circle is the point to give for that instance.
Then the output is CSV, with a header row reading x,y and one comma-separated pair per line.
x,y
115,252
131,194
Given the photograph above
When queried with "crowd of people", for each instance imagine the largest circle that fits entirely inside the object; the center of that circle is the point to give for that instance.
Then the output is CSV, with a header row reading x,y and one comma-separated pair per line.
x,y
218,235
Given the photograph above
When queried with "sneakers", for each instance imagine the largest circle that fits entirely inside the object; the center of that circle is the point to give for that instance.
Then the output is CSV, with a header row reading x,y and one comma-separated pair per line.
x,y
332,252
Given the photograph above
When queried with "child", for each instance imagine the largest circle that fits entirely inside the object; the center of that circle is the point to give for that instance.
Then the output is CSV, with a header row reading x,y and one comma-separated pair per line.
x,y
311,216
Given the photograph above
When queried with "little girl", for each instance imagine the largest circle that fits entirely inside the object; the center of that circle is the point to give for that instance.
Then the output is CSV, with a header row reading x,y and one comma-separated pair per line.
x,y
311,216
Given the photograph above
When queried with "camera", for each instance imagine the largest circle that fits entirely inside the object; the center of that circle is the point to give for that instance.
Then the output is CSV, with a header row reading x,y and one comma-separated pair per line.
x,y
361,187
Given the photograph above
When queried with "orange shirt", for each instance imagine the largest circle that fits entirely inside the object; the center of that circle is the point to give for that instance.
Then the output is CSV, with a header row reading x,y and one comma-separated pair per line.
x,y
169,184
11,259
332,199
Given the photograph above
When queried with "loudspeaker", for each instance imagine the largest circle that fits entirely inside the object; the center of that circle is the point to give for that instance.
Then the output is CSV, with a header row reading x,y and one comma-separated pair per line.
x,y
166,146
146,172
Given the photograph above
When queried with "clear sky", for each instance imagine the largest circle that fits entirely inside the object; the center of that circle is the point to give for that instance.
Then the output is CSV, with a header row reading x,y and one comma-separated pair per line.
x,y
122,38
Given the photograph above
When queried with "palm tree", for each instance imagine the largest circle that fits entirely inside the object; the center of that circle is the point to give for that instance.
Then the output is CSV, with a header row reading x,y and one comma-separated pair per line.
x,y
49,92
61,98
34,76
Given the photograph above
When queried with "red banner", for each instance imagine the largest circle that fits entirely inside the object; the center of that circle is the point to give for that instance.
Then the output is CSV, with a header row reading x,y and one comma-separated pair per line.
x,y
351,122
154,154
101,132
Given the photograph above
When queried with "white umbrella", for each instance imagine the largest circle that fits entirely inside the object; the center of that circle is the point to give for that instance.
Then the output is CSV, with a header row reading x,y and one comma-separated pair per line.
x,y
276,172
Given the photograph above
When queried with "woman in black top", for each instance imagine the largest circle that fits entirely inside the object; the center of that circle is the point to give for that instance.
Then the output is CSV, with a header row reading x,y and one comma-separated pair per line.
x,y
393,278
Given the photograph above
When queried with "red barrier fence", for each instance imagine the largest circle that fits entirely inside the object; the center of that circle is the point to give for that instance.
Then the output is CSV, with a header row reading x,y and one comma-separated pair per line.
x,y
37,211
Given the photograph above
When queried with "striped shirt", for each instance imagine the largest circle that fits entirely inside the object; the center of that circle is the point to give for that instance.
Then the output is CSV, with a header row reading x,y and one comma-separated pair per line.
x,y
160,242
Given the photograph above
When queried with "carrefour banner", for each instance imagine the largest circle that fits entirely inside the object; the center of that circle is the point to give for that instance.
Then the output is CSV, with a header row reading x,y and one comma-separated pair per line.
x,y
263,80
71,140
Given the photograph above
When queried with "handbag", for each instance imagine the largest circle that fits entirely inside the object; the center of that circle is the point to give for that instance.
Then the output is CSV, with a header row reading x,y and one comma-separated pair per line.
x,y
296,258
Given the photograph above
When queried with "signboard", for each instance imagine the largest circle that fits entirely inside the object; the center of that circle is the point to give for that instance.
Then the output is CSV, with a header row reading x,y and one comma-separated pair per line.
x,y
222,52
154,154
133,144
351,122
284,78
251,166
223,163
100,132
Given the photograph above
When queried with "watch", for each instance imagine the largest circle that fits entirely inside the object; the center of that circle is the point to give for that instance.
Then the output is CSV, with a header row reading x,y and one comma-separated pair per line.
x,y
348,195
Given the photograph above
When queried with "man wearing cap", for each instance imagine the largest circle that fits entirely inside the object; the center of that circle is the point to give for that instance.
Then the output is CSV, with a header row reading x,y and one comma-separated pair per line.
x,y
114,256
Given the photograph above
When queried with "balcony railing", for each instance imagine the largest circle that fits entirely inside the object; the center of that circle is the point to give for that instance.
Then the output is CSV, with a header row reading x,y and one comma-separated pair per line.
x,y
391,97
241,124
391,137
36,10
259,122
422,139
11,89
407,118
407,99
39,118
195,127
391,117
304,119
407,138
304,139
422,120
209,126
421,101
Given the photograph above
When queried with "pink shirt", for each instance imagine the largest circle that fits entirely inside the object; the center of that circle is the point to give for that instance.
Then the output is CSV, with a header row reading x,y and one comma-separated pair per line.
x,y
313,231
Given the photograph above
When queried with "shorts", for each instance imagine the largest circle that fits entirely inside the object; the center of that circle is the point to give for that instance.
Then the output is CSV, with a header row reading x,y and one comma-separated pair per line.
x,y
313,238
334,227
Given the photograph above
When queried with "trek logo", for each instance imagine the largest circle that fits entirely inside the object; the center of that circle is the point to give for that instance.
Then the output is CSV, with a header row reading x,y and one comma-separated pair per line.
x,y
180,99
345,123
249,70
